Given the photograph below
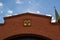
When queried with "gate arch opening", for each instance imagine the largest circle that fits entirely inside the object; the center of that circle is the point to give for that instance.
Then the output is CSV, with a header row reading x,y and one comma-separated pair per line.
x,y
27,37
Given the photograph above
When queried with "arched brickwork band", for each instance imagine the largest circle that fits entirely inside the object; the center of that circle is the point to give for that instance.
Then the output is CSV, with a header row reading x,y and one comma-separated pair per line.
x,y
27,37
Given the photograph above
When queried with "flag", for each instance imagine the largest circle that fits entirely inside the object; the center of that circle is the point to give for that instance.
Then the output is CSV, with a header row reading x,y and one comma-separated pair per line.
x,y
56,15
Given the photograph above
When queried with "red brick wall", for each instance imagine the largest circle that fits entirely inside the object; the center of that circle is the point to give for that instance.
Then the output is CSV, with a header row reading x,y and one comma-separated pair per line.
x,y
39,25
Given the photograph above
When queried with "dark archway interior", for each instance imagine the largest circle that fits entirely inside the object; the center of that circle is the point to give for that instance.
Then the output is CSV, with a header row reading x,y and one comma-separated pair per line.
x,y
27,37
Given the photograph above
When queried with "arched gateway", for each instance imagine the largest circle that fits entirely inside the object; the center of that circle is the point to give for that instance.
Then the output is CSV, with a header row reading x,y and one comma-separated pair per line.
x,y
29,26
27,37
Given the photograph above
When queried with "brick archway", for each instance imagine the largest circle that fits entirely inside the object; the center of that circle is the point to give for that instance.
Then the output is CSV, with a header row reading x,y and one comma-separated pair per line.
x,y
27,37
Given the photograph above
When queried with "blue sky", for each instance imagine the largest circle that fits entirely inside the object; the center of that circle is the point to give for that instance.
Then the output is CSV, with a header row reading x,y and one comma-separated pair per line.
x,y
13,7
